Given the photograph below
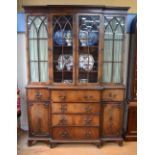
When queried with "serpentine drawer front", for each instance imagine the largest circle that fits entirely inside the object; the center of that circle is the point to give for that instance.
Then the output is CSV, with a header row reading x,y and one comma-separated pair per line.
x,y
75,96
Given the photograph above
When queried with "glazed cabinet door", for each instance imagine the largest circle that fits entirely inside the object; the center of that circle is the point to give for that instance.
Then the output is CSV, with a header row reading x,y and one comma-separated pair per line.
x,y
37,42
88,48
63,48
113,53
38,118
112,119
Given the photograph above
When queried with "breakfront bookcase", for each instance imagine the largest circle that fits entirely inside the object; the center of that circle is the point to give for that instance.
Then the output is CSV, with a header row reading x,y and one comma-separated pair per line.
x,y
76,74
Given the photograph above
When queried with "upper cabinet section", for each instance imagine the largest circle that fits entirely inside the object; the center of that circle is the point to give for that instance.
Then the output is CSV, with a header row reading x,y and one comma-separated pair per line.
x,y
81,46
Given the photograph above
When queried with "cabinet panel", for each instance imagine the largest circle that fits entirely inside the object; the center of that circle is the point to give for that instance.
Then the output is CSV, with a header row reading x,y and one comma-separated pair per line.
x,y
75,133
112,119
38,118
38,94
75,108
58,120
75,96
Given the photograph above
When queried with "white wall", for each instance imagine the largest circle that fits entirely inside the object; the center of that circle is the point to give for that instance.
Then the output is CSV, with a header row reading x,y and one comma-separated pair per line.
x,y
22,77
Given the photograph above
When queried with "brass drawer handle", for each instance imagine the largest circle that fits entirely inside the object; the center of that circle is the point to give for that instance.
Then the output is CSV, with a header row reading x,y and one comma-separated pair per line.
x,y
88,121
64,134
63,121
63,108
87,97
112,95
46,104
88,134
88,108
62,97
38,95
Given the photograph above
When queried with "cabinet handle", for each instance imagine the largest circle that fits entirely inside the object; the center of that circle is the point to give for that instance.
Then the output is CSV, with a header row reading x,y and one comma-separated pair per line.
x,y
46,104
114,96
110,94
88,121
63,108
63,121
64,134
62,97
88,108
38,95
88,97
88,134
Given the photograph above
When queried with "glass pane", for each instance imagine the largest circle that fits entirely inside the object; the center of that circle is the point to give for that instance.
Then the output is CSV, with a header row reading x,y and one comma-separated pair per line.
x,y
108,44
43,50
117,73
114,28
32,31
107,71
37,22
43,30
34,72
89,30
43,71
33,50
63,50
117,50
88,48
119,33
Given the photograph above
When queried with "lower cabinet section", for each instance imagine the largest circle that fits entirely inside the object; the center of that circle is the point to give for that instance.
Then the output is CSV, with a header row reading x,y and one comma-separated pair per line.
x,y
75,133
38,113
112,118
78,121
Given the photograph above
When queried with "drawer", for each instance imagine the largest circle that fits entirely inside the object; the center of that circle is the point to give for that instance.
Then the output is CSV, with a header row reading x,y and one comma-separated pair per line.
x,y
75,96
113,95
75,133
75,120
75,107
38,94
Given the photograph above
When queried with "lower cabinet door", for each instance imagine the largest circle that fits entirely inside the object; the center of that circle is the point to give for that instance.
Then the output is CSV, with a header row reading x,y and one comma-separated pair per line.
x,y
75,133
38,118
112,119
